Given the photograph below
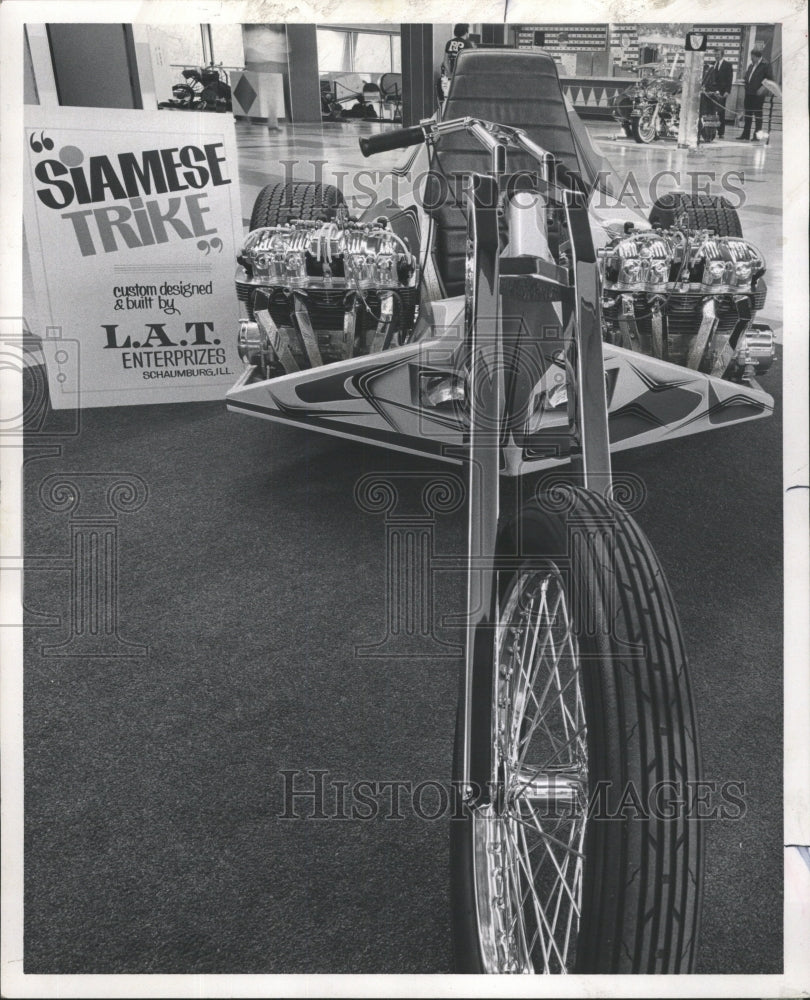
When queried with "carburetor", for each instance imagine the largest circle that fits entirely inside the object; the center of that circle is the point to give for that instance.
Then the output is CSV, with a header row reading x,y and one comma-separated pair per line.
x,y
686,296
319,291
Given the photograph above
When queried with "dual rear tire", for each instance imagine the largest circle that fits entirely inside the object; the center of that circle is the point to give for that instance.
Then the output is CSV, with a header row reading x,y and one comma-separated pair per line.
x,y
277,204
701,211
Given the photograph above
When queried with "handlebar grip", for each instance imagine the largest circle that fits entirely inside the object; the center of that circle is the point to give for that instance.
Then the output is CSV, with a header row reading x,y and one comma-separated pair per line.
x,y
397,138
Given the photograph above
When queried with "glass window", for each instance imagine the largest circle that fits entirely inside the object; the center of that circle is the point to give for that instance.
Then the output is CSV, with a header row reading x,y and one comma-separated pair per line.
x,y
227,45
372,53
334,51
182,44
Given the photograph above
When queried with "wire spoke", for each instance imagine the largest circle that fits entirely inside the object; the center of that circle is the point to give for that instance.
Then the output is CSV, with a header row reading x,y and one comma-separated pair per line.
x,y
529,866
539,910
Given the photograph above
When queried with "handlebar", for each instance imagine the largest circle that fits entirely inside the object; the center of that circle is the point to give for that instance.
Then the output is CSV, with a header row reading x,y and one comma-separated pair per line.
x,y
398,138
491,136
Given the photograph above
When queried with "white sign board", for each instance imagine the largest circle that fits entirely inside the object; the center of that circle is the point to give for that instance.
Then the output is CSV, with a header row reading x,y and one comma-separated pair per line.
x,y
132,223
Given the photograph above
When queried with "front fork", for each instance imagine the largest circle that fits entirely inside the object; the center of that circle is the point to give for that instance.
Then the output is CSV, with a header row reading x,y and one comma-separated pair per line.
x,y
494,405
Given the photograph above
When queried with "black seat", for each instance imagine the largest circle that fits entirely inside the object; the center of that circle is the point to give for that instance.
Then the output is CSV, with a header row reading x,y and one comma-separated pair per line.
x,y
511,87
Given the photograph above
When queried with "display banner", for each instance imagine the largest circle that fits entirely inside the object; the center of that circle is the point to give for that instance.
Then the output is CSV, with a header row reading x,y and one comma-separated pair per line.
x,y
558,38
132,223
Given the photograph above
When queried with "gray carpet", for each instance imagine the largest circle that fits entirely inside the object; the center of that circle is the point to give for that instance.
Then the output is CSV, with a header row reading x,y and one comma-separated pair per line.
x,y
154,841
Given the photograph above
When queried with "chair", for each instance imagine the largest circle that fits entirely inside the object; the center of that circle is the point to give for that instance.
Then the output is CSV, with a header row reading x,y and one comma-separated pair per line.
x,y
372,95
391,89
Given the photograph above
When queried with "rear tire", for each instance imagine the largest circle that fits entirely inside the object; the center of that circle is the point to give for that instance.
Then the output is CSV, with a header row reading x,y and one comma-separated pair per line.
x,y
703,211
588,702
278,203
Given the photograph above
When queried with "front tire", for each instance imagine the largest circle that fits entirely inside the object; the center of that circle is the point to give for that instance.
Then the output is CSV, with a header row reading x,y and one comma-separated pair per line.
x,y
644,128
575,864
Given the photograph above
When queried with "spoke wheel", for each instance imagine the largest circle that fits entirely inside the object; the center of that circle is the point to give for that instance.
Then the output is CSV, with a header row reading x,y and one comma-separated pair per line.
x,y
645,127
528,846
569,862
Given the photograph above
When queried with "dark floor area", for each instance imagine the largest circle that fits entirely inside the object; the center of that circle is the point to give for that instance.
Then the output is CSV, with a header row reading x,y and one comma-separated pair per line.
x,y
154,838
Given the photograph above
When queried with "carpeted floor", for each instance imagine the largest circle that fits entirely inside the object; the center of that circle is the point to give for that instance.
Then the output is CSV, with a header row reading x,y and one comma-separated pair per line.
x,y
154,794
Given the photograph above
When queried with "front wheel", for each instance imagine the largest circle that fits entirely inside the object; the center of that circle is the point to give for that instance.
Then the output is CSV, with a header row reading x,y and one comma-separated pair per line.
x,y
583,856
645,127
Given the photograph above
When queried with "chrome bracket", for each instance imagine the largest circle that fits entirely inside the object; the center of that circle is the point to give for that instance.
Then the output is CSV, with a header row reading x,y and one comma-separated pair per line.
x,y
708,325
304,324
382,335
657,327
725,355
628,324
279,343
349,325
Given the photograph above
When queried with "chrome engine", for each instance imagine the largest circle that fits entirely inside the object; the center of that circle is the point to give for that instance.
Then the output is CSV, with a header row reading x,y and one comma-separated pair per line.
x,y
318,292
688,297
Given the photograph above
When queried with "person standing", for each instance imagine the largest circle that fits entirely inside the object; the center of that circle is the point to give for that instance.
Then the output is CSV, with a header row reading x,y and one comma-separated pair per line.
x,y
459,42
755,76
717,79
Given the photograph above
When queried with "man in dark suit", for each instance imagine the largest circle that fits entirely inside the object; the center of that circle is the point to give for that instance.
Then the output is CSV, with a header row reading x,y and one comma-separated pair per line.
x,y
758,71
717,78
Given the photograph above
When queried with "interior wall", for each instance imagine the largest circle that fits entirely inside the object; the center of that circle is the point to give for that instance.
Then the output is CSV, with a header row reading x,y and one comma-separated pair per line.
x,y
302,63
30,95
418,80
442,33
94,66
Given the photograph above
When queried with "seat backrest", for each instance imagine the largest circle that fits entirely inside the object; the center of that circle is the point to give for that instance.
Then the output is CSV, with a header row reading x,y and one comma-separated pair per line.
x,y
512,87
509,86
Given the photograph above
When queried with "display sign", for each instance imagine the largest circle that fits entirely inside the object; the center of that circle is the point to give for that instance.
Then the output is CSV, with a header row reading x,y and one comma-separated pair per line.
x,y
624,45
695,41
727,37
132,220
559,38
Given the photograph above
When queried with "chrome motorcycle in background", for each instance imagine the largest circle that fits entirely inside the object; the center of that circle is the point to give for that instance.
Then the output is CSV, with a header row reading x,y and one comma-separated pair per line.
x,y
651,109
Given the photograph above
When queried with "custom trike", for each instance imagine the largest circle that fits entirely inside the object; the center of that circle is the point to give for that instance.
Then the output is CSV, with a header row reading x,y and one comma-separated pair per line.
x,y
495,320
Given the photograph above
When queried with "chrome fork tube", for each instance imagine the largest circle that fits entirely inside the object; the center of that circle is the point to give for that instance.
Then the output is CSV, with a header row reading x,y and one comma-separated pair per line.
x,y
486,425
